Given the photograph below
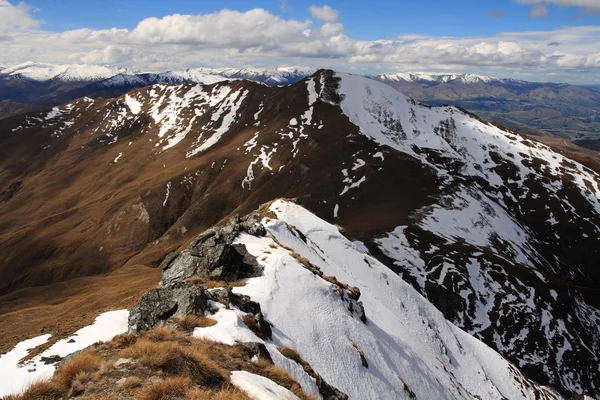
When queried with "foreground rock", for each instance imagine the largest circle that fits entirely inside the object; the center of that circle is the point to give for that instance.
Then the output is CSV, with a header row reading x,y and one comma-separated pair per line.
x,y
213,257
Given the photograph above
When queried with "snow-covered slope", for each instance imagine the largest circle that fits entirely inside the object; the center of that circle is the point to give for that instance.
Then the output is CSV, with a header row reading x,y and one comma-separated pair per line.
x,y
435,78
17,376
491,180
114,76
67,72
404,349
271,77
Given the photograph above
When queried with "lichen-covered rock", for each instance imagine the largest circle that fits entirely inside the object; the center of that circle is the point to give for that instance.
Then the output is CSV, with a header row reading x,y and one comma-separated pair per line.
x,y
166,302
213,254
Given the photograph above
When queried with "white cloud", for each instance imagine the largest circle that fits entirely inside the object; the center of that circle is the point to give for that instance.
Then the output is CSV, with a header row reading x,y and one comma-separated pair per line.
x,y
538,11
16,17
324,14
231,38
591,6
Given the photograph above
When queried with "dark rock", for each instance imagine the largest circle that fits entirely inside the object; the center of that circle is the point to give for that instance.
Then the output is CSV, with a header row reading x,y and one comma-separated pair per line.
x,y
168,260
11,190
242,302
264,326
51,359
71,341
329,392
164,303
258,349
213,254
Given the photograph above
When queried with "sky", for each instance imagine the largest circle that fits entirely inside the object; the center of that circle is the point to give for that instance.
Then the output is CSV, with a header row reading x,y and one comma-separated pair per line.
x,y
541,40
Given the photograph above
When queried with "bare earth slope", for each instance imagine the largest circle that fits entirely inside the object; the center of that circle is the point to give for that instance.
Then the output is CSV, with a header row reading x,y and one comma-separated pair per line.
x,y
499,232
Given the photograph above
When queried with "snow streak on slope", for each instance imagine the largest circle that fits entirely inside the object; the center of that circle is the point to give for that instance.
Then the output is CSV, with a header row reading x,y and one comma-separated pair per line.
x,y
391,118
16,377
408,345
504,217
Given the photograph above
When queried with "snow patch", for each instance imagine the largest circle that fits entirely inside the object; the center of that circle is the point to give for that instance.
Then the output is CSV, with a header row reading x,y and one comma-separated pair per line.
x,y
260,388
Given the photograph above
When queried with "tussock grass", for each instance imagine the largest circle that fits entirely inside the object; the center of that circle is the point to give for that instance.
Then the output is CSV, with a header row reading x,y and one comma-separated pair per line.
x,y
170,388
124,340
177,360
190,322
227,393
80,368
188,368
42,390
291,354
161,334
281,377
132,382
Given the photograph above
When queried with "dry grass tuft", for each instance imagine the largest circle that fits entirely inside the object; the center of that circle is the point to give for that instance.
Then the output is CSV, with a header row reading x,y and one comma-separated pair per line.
x,y
160,334
303,261
265,212
177,359
281,376
227,393
132,382
361,353
205,322
212,283
291,354
42,390
79,368
190,322
124,340
170,388
251,323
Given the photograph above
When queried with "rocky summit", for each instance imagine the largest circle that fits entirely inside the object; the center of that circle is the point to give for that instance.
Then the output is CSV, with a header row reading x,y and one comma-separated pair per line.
x,y
420,252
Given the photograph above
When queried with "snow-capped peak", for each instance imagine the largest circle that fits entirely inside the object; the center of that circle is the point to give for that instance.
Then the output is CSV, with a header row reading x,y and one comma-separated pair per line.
x,y
434,77
67,72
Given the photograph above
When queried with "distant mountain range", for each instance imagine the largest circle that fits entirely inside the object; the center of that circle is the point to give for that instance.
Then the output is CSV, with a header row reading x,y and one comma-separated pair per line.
x,y
542,109
33,86
593,87
559,109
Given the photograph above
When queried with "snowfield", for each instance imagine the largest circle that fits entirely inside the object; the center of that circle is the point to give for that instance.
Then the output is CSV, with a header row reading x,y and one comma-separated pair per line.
x,y
17,376
407,343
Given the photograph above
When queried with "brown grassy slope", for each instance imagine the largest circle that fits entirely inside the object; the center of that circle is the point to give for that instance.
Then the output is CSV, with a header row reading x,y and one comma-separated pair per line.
x,y
63,307
159,364
79,214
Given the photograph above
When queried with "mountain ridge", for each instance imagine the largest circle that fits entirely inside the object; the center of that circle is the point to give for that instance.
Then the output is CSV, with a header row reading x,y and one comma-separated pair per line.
x,y
478,219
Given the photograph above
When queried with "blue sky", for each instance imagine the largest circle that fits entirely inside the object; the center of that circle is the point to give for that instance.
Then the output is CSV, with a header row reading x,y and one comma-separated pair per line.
x,y
367,20
540,40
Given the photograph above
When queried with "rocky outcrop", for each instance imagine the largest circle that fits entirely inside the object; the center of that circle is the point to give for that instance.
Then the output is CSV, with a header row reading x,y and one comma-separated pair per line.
x,y
213,254
166,302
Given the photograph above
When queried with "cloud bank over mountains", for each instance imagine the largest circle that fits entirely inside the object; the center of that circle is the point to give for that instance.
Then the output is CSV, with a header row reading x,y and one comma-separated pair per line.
x,y
258,37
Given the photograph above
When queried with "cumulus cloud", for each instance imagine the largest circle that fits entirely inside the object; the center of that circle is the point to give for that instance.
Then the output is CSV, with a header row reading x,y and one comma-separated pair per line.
x,y
324,14
257,37
16,17
590,6
539,11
